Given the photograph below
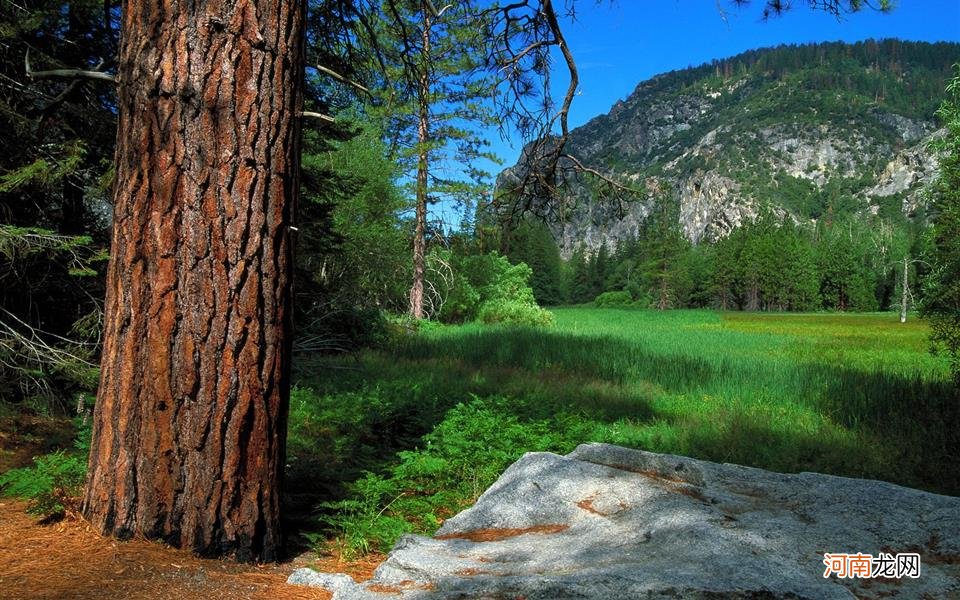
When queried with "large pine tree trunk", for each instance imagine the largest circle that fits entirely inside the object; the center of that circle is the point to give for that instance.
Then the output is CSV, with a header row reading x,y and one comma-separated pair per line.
x,y
190,420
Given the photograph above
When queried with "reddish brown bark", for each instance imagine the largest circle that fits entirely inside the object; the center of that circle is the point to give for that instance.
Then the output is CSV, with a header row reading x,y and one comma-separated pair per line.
x,y
190,420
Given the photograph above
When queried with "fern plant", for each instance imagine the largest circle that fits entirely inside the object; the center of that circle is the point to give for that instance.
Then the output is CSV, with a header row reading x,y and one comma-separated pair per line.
x,y
53,483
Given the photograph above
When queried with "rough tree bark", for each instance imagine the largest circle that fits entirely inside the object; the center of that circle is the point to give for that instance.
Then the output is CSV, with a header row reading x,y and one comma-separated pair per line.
x,y
423,158
190,420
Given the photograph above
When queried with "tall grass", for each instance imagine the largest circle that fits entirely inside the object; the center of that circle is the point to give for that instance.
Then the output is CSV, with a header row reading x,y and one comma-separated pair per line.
x,y
854,395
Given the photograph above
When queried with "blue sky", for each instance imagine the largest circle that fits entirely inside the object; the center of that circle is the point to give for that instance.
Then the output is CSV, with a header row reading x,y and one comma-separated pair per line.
x,y
619,43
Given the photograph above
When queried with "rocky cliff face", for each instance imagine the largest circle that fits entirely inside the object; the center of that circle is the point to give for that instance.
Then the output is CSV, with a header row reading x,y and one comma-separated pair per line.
x,y
763,131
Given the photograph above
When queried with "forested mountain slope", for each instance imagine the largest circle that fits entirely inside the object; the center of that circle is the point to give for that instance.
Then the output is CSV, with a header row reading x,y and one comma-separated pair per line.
x,y
806,131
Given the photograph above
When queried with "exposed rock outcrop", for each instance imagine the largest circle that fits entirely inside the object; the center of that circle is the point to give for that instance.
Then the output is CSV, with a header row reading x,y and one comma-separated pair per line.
x,y
609,522
910,170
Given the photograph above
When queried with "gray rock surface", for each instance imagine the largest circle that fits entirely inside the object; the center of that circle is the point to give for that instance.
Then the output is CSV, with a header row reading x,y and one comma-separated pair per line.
x,y
609,522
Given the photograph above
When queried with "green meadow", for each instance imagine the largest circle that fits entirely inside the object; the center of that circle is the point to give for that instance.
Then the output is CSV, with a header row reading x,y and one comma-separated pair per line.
x,y
398,438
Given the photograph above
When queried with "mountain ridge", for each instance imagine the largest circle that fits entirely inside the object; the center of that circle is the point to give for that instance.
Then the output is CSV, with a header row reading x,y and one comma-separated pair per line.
x,y
803,131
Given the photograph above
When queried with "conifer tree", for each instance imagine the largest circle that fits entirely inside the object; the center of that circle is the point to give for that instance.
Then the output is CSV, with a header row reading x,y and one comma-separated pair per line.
x,y
942,299
580,286
532,243
436,105
662,245
599,266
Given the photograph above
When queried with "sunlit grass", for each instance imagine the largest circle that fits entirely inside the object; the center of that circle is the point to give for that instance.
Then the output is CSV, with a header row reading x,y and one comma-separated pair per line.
x,y
855,395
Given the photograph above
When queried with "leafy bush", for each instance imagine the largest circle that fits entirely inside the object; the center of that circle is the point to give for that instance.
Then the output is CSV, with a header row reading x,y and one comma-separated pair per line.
x,y
51,485
362,524
608,299
512,312
484,287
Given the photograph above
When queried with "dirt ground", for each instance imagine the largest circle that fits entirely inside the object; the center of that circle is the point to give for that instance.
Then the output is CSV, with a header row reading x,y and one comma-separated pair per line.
x,y
67,560
23,436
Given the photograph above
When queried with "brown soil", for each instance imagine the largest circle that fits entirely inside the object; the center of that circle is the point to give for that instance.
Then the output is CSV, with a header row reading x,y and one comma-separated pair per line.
x,y
24,436
68,560
361,569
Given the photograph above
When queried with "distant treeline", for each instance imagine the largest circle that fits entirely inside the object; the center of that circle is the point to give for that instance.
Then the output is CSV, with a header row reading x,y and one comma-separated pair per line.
x,y
851,263
841,66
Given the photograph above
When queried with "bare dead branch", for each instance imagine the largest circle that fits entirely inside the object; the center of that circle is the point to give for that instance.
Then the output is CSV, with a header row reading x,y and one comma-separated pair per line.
x,y
613,183
65,73
433,9
342,79
316,115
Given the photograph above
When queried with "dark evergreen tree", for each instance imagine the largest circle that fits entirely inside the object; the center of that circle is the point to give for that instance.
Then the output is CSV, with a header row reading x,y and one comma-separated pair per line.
x,y
798,288
599,270
580,285
698,265
846,281
662,245
531,242
942,301
725,279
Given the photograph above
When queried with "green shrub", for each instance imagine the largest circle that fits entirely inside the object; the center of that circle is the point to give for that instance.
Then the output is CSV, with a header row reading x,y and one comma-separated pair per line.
x,y
361,523
608,299
484,287
512,312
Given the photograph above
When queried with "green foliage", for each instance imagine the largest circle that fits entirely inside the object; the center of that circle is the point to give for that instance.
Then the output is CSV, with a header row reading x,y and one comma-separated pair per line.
x,y
454,464
579,280
438,415
942,300
37,364
532,243
770,264
613,299
351,255
59,140
42,173
51,484
661,247
18,245
354,246
514,312
766,265
846,280
54,481
485,287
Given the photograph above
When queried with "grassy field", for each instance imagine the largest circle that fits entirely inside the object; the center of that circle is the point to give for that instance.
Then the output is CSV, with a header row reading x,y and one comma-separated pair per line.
x,y
855,395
